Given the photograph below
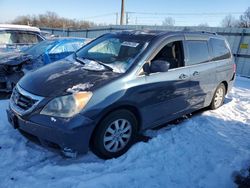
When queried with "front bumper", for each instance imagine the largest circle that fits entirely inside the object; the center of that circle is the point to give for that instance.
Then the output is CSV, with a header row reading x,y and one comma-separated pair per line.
x,y
73,134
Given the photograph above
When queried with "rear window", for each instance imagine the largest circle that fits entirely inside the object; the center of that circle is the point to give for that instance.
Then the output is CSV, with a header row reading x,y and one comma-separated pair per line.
x,y
220,49
197,51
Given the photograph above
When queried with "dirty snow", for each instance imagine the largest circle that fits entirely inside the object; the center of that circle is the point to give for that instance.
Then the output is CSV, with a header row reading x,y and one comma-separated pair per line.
x,y
80,87
202,151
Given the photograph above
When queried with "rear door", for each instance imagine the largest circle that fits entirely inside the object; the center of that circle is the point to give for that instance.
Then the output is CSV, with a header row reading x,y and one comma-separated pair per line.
x,y
202,71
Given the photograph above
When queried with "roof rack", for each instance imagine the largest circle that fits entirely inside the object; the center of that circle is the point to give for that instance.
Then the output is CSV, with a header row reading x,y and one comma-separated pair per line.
x,y
209,32
197,31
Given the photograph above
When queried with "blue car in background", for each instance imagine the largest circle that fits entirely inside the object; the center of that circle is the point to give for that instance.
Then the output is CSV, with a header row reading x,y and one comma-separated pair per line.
x,y
14,65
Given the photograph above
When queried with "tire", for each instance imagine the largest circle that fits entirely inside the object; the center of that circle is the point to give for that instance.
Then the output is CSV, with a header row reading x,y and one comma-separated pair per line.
x,y
219,96
114,135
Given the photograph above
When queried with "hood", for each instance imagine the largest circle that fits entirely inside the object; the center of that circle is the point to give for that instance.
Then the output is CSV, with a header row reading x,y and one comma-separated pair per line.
x,y
62,77
14,58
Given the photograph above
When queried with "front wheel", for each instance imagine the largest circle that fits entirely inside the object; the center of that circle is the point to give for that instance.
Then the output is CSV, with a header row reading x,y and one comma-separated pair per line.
x,y
114,135
219,96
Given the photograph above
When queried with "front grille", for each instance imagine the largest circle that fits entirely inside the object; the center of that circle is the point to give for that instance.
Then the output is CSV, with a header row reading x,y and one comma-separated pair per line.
x,y
21,100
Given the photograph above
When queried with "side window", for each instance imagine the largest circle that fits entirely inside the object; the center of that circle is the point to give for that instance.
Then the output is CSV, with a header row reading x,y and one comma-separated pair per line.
x,y
220,50
197,51
5,38
172,53
26,38
13,38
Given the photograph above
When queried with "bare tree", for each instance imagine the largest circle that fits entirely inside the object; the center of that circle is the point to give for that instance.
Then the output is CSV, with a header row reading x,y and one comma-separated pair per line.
x,y
245,19
52,20
168,21
229,21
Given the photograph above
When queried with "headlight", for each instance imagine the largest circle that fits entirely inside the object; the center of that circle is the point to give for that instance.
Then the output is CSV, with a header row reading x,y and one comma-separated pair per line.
x,y
67,106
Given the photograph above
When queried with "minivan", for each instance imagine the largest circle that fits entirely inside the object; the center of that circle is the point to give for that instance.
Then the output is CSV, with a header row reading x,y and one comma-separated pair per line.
x,y
119,85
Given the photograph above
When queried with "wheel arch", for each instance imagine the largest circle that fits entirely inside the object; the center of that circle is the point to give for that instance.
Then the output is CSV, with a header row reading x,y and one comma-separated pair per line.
x,y
225,84
131,108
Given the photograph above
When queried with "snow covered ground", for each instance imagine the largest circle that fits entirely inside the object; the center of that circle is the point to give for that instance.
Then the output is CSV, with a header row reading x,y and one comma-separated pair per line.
x,y
202,151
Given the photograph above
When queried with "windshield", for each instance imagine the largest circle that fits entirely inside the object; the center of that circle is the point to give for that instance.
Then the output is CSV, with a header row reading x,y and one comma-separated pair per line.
x,y
40,48
116,52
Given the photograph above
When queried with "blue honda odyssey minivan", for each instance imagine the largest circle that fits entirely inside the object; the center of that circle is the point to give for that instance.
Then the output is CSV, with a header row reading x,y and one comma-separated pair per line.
x,y
118,85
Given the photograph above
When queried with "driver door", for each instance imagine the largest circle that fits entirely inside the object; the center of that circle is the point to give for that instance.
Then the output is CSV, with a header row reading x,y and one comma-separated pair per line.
x,y
166,92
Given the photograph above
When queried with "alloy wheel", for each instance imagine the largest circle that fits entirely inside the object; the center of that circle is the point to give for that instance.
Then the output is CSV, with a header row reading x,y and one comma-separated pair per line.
x,y
117,135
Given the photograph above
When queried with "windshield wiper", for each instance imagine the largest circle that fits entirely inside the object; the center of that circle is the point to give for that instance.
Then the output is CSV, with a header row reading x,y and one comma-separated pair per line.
x,y
106,66
101,63
78,59
81,60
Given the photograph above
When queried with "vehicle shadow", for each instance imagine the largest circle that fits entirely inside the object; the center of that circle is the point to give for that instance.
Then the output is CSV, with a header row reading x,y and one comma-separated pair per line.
x,y
177,122
227,100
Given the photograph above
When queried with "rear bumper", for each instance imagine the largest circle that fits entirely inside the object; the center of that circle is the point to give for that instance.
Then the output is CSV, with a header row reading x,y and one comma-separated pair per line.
x,y
76,137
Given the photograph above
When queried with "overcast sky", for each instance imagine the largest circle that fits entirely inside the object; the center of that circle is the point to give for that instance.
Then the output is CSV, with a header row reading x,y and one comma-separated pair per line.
x,y
184,12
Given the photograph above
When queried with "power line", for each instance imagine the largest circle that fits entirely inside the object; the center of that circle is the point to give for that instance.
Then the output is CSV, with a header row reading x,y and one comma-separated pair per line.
x,y
185,14
101,15
161,14
151,17
156,17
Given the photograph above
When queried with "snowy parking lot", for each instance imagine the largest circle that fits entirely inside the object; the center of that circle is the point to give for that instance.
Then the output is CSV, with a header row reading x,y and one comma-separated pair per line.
x,y
202,151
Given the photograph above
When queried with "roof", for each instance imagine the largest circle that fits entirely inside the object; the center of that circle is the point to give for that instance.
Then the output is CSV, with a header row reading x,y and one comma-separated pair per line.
x,y
149,34
18,27
163,32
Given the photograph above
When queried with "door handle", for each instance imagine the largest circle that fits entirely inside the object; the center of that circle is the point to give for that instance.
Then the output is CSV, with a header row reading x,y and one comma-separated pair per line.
x,y
183,76
196,73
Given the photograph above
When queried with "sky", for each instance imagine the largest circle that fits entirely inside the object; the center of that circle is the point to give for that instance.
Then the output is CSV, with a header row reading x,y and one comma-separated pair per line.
x,y
149,12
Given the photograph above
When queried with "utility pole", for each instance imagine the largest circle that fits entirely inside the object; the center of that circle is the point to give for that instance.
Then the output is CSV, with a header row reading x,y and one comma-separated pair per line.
x,y
122,13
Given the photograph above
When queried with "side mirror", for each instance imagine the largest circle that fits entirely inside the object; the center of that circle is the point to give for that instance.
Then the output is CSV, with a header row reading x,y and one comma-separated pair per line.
x,y
159,66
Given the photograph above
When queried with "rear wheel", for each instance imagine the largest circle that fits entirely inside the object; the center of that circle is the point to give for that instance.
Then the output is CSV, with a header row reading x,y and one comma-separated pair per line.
x,y
219,96
115,134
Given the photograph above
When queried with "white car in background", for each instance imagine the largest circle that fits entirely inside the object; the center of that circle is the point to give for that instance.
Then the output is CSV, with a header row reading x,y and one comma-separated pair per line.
x,y
18,37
